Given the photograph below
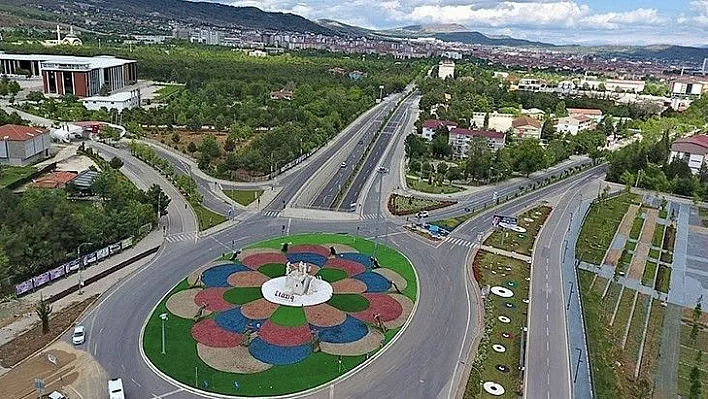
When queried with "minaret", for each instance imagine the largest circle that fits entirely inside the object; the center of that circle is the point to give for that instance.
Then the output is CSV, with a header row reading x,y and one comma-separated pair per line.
x,y
58,35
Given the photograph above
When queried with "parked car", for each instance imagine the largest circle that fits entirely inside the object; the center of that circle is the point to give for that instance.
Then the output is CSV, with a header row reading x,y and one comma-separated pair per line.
x,y
423,214
343,165
56,395
79,335
115,388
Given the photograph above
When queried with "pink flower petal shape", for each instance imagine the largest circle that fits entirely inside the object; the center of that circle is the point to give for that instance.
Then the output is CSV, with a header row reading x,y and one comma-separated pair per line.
x,y
284,336
381,304
352,268
349,286
257,260
206,332
247,279
308,248
213,298
324,315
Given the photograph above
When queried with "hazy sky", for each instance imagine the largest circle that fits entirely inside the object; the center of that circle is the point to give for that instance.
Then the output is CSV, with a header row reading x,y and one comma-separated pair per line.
x,y
683,22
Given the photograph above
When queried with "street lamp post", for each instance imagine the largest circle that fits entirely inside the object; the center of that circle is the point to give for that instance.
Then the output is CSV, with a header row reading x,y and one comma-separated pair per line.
x,y
7,148
481,387
577,366
163,318
567,307
81,265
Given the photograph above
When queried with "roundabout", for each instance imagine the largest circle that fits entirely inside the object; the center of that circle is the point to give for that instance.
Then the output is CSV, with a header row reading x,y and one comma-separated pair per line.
x,y
281,319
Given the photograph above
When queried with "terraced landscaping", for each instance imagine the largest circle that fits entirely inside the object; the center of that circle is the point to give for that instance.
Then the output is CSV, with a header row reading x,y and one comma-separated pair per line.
x,y
522,243
601,223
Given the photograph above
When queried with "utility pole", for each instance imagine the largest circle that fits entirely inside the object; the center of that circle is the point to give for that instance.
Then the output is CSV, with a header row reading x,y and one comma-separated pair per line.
x,y
163,318
577,366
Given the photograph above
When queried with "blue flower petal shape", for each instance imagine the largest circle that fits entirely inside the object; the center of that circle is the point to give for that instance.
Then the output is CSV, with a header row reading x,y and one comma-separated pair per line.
x,y
315,259
359,258
374,282
217,275
233,320
278,355
349,331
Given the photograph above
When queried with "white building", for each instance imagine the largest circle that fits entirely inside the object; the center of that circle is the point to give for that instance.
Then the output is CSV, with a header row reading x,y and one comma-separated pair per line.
x,y
591,113
527,127
689,87
460,140
573,124
534,113
431,125
694,150
497,121
118,101
257,53
446,69
629,86
532,84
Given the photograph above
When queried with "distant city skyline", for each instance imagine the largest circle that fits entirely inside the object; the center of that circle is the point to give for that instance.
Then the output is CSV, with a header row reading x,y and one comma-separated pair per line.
x,y
591,22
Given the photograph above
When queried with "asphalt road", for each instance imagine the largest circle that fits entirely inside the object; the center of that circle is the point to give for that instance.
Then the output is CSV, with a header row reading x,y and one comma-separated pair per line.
x,y
426,362
376,154
547,355
326,198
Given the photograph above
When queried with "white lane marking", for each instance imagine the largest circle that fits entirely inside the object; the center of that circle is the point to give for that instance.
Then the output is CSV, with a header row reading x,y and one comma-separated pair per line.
x,y
135,382
467,328
168,393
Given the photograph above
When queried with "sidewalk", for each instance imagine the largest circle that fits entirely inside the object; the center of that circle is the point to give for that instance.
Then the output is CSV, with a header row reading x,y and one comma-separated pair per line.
x,y
25,321
508,254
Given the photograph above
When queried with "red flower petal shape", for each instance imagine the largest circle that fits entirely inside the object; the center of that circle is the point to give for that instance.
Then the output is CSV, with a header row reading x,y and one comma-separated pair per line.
x,y
213,298
206,332
352,268
284,336
308,248
381,304
257,260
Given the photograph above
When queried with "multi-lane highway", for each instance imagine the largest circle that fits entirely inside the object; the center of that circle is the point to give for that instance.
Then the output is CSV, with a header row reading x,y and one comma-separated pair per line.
x,y
392,127
327,197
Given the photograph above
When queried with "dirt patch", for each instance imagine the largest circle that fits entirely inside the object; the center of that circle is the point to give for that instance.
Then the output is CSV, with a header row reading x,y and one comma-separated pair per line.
x,y
394,277
324,315
407,306
182,304
231,360
11,310
649,226
33,340
626,226
19,382
368,344
349,286
247,279
613,256
341,248
639,260
259,309
687,316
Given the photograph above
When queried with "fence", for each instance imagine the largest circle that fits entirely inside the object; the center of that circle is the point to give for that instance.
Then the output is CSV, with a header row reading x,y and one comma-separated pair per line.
x,y
71,267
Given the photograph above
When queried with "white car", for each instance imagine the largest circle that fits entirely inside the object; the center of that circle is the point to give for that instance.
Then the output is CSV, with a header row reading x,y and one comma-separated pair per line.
x,y
115,388
79,335
56,395
343,165
423,214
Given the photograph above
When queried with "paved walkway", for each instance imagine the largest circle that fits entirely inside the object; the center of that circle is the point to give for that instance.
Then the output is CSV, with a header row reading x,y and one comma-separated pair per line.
x,y
666,378
25,321
508,254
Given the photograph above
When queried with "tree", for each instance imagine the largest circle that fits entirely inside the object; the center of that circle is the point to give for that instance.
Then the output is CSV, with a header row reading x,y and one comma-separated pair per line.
x,y
442,171
415,166
175,137
13,87
157,199
108,133
547,131
35,96
601,87
485,124
194,124
529,156
560,110
43,309
479,158
454,173
210,146
415,146
191,147
229,144
440,147
104,91
116,163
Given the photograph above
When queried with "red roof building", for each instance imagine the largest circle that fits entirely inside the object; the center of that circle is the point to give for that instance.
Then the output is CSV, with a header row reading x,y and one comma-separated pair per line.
x,y
431,125
23,145
460,138
54,180
693,150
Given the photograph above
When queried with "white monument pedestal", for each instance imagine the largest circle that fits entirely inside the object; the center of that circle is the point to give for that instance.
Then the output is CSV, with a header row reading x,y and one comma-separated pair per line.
x,y
274,291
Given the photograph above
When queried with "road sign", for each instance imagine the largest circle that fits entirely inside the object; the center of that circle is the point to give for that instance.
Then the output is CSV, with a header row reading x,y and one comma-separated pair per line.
x,y
509,220
52,359
39,385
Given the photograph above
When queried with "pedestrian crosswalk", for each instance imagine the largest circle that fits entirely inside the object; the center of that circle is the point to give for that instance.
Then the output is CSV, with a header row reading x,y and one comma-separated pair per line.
x,y
271,214
458,241
181,237
369,216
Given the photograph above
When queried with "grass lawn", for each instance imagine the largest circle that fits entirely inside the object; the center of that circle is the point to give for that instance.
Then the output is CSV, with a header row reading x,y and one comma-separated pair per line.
x,y
649,274
610,300
243,197
272,270
637,227
631,246
242,295
599,285
424,187
451,224
207,218
663,279
600,225
522,243
622,317
487,358
623,263
331,275
164,93
654,253
652,341
636,330
11,174
687,360
401,205
658,235
316,369
663,213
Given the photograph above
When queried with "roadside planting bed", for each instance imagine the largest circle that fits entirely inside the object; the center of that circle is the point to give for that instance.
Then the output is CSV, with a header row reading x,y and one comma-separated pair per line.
x,y
402,205
522,243
601,223
687,360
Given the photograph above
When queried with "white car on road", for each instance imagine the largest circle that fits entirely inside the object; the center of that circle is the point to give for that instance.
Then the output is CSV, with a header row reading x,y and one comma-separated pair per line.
x,y
115,388
79,335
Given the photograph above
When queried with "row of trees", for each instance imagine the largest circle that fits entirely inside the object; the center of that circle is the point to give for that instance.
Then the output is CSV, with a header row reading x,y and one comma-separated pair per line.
x,y
41,229
8,86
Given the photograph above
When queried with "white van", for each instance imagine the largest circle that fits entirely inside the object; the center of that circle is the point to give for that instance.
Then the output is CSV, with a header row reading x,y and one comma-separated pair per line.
x,y
115,388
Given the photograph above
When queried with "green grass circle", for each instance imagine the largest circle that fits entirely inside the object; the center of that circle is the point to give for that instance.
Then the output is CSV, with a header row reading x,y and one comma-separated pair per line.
x,y
331,275
289,316
242,295
349,302
273,270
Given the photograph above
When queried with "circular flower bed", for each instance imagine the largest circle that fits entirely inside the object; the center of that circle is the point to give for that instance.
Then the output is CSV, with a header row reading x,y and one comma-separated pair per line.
x,y
232,329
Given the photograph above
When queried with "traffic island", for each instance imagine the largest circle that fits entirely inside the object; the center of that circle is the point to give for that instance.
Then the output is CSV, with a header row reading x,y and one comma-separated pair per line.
x,y
285,316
